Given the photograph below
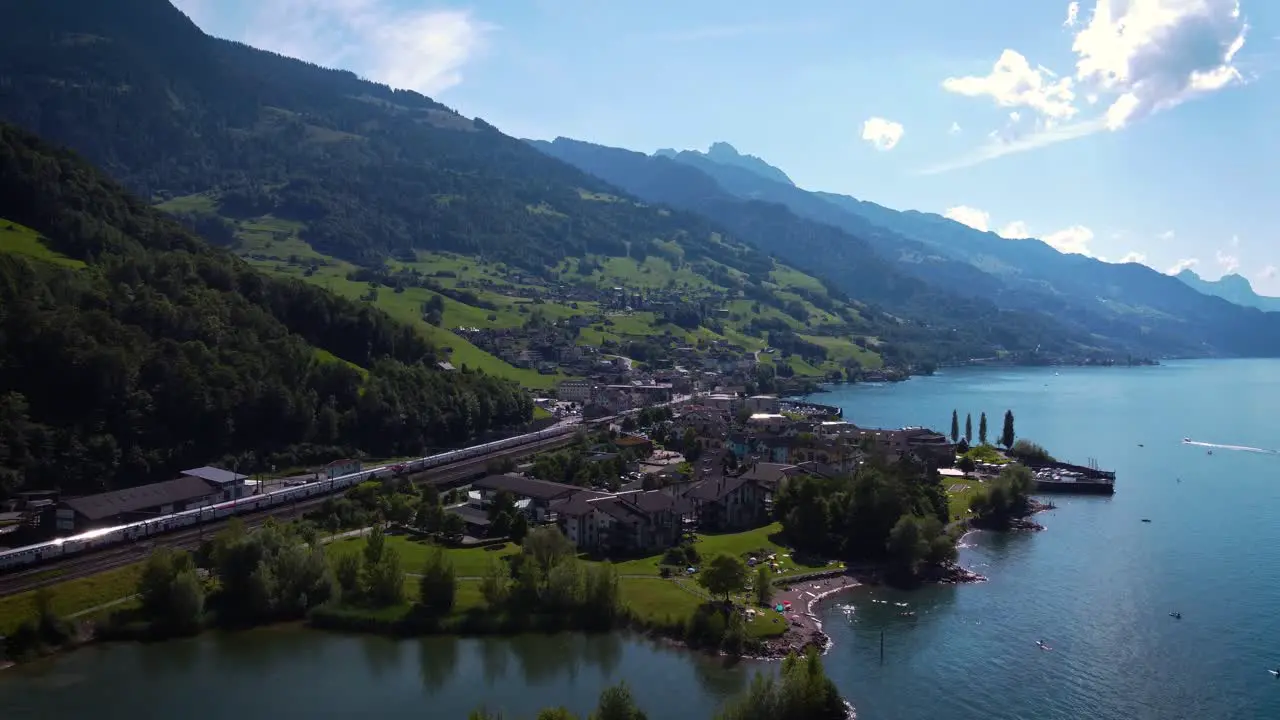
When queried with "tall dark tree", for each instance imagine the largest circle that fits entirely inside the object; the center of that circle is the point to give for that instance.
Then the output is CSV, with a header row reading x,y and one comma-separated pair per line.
x,y
1007,436
968,428
982,429
955,426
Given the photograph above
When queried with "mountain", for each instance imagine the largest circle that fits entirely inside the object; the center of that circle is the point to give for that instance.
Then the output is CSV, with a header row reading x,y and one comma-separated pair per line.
x,y
130,350
726,154
316,174
1121,306
1232,288
852,264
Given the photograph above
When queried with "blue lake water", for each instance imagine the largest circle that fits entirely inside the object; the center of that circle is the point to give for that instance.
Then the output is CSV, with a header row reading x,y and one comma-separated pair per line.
x,y
1097,586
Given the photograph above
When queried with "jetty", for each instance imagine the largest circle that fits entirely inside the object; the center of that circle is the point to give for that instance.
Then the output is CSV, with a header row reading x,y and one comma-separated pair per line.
x,y
1060,477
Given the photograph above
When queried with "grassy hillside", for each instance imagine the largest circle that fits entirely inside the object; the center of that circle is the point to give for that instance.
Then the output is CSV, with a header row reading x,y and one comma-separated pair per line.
x,y
132,350
276,246
290,160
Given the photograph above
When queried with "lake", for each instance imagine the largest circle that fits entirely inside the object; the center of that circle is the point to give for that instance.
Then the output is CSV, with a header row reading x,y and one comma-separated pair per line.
x,y
1097,586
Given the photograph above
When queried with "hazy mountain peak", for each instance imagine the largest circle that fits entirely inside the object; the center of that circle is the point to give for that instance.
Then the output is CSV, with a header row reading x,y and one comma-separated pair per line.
x,y
726,154
1232,288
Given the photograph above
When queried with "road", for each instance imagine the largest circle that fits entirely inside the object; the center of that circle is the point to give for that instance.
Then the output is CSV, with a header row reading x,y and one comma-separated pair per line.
x,y
85,564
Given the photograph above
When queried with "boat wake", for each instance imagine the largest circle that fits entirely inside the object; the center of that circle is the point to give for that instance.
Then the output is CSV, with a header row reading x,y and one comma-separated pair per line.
x,y
1241,448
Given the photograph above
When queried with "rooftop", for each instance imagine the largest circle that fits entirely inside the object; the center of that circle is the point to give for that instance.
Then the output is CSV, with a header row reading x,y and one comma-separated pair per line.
x,y
544,490
108,504
217,476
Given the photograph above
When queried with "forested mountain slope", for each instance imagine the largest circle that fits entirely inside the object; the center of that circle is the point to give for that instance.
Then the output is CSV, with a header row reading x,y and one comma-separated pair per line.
x,y
226,134
1127,305
129,349
974,302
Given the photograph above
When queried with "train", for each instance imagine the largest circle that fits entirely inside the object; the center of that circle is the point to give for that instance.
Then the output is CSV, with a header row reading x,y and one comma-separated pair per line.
x,y
98,539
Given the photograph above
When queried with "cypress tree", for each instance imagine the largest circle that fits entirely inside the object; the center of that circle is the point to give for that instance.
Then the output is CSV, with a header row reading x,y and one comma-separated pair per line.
x,y
955,427
968,429
982,429
1007,436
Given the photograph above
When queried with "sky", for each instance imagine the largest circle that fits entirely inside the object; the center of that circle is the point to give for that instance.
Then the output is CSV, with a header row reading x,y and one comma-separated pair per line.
x,y
1127,130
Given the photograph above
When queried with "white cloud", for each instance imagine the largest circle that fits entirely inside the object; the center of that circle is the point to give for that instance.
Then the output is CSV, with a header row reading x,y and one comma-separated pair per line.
x,y
1133,257
955,128
1012,82
1003,145
1166,235
1228,262
1015,230
1183,264
1133,58
1267,272
973,217
882,134
1074,239
1235,241
422,50
1155,54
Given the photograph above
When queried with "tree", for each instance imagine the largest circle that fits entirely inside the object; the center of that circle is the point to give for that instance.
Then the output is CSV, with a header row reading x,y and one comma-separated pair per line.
x,y
764,585
375,544
968,429
1007,436
519,528
725,574
346,569
616,703
495,584
384,580
546,547
955,426
1028,451
556,713
172,595
437,587
982,429
801,690
907,546
452,525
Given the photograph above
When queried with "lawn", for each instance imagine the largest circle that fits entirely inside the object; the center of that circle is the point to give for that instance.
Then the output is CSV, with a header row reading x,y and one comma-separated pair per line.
x,y
72,596
22,240
467,562
958,496
737,544
657,600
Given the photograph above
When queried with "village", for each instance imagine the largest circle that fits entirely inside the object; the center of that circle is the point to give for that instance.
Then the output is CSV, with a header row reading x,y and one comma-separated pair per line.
x,y
712,464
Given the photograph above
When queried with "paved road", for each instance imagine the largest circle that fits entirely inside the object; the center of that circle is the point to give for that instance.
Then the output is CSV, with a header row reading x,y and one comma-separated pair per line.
x,y
84,564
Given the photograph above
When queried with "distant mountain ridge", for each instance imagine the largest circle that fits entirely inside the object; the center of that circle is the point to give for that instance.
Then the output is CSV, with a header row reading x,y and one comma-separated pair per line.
x,y
1232,288
1116,306
726,154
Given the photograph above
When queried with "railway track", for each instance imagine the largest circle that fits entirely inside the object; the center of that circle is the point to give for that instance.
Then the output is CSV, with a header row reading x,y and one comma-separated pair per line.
x,y
94,562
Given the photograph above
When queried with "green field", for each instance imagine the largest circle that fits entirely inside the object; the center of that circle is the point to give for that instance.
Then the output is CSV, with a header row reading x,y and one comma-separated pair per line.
x,y
736,544
467,562
276,246
22,240
71,597
959,492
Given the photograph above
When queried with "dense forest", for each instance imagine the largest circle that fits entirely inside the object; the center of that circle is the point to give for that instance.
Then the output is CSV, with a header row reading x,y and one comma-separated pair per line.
x,y
161,353
373,173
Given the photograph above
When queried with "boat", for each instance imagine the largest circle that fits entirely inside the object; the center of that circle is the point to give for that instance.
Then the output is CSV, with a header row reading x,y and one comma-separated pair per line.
x,y
1186,440
1146,519
1040,644
1275,672
1175,615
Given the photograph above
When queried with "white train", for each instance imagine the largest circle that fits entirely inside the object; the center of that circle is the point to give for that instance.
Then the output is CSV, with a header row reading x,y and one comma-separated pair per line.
x,y
105,537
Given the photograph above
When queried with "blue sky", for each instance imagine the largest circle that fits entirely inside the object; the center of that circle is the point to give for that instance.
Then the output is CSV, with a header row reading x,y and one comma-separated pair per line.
x,y
1138,129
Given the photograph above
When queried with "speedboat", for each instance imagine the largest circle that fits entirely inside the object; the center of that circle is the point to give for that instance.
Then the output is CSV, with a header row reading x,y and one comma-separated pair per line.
x,y
1175,615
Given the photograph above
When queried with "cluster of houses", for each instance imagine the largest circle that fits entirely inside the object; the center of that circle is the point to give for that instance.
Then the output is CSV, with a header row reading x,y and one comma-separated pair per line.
x,y
750,448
